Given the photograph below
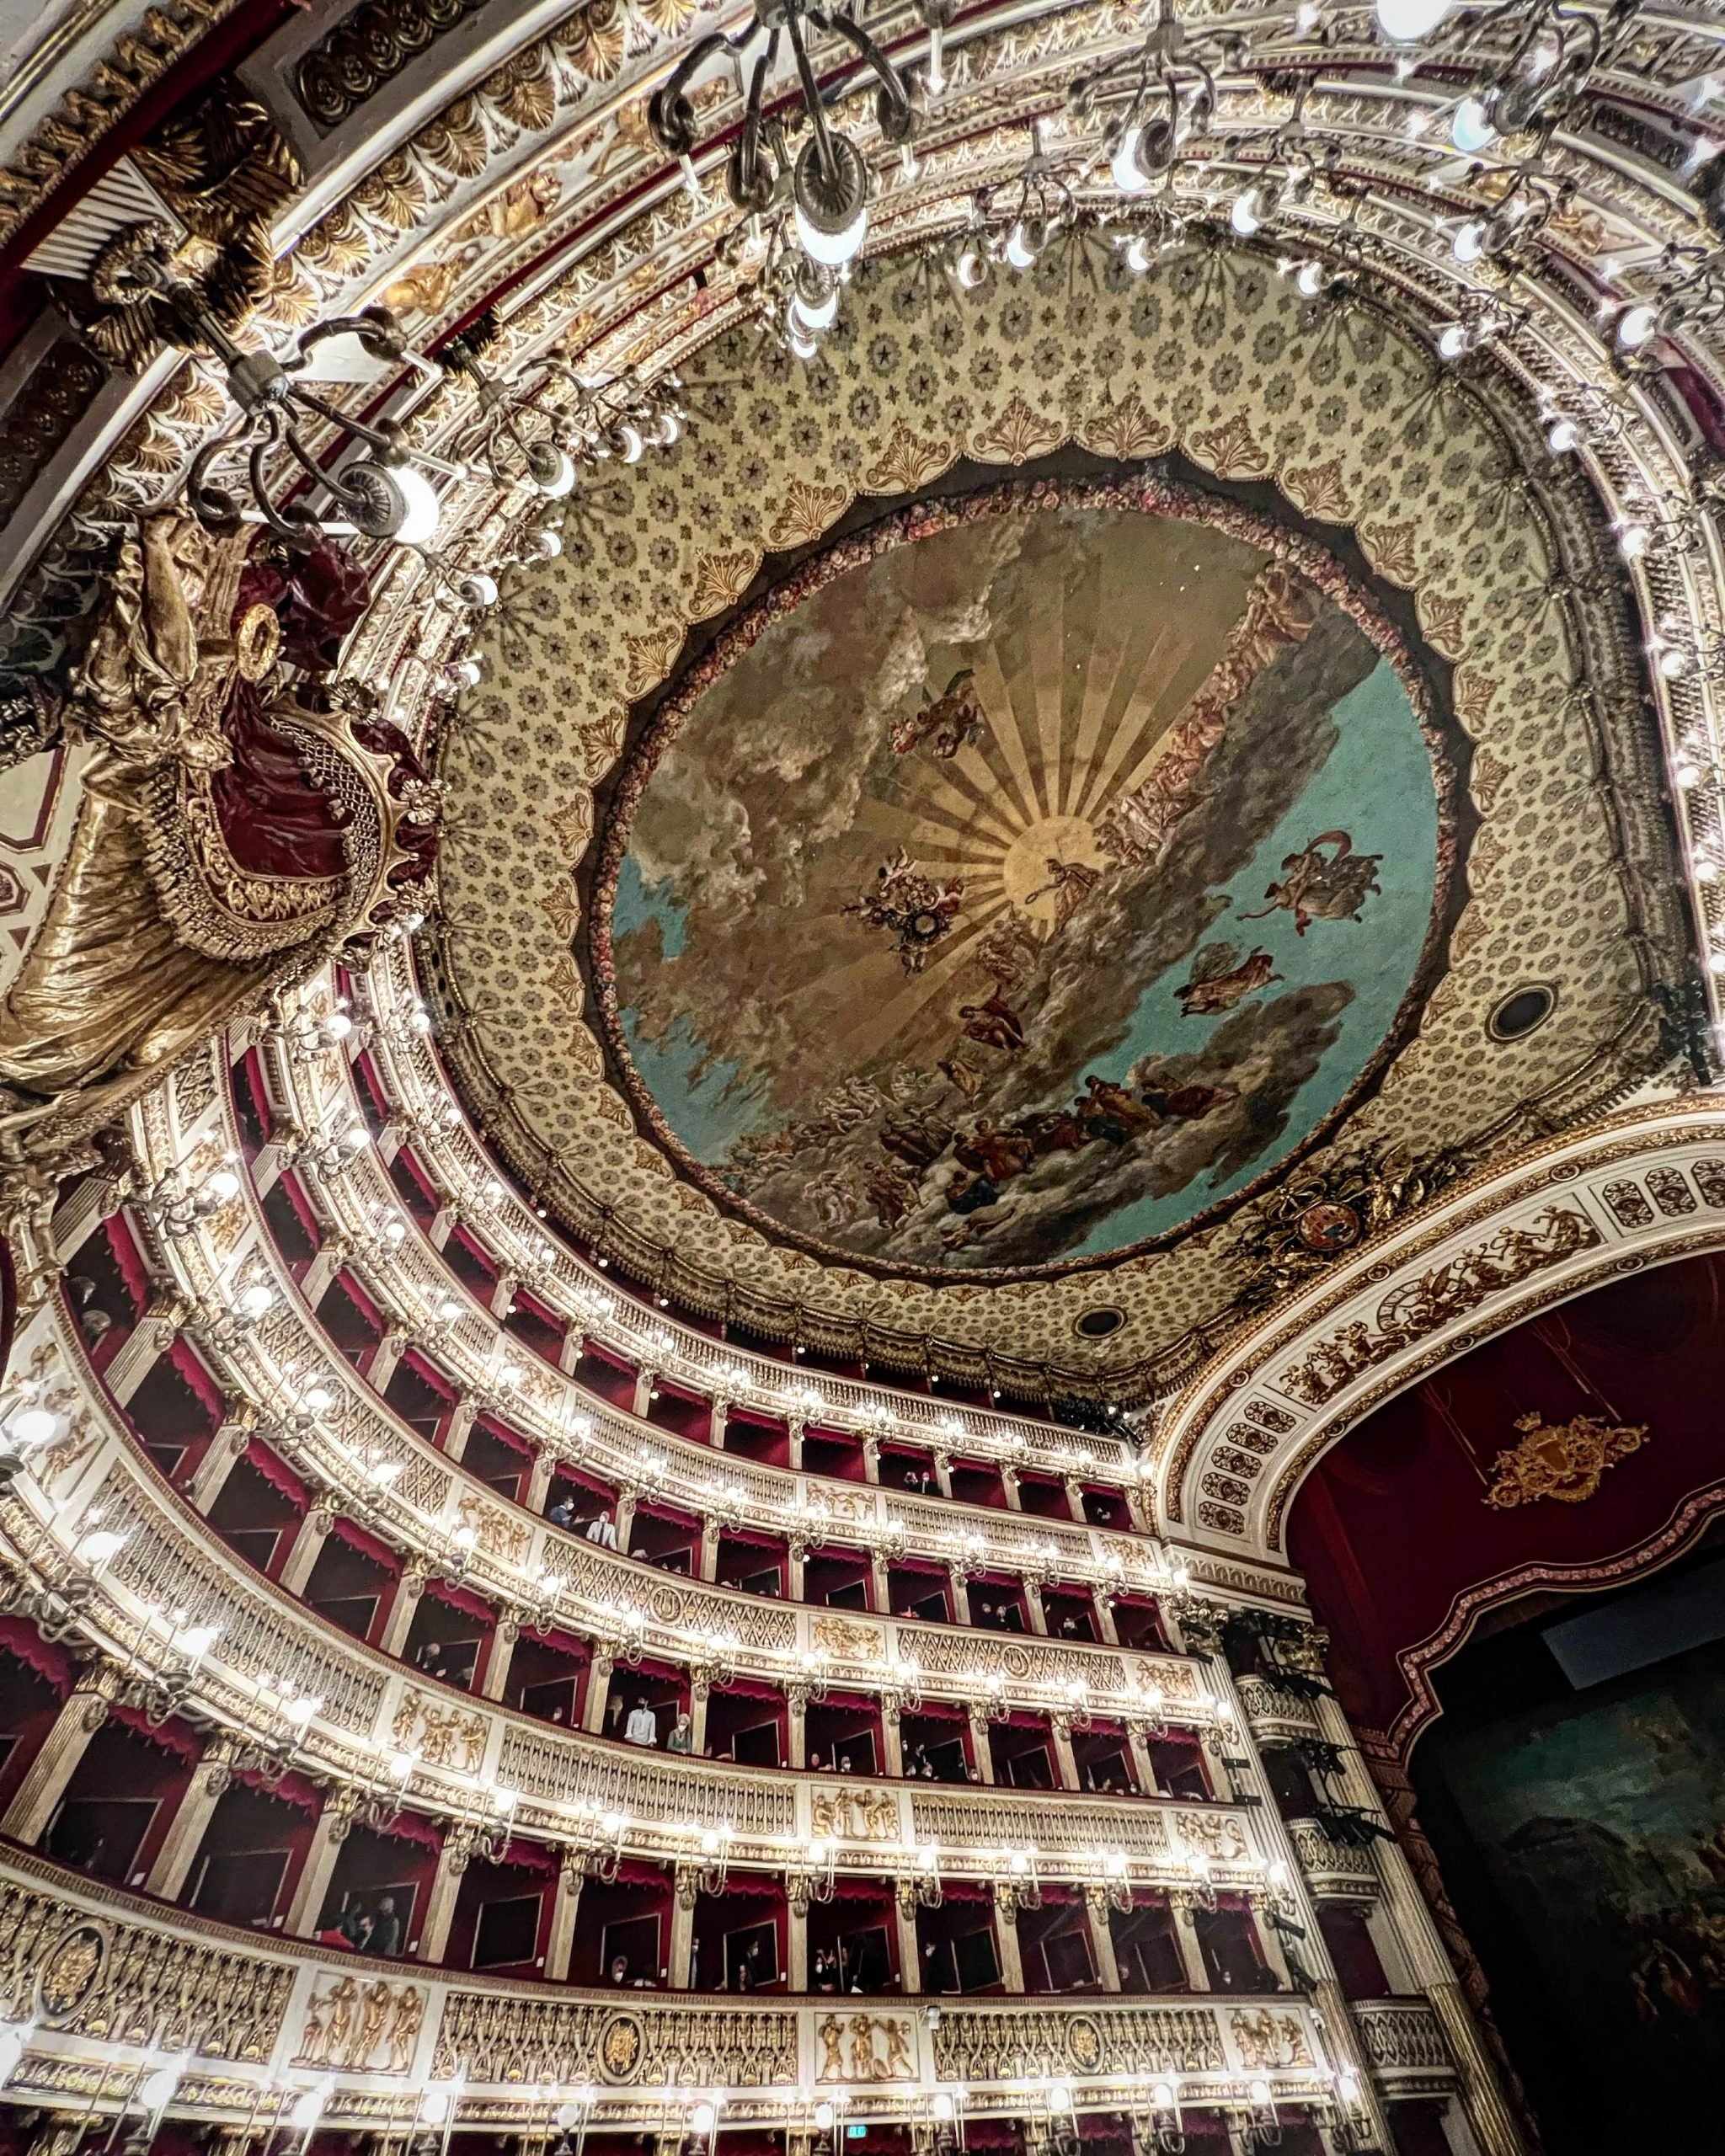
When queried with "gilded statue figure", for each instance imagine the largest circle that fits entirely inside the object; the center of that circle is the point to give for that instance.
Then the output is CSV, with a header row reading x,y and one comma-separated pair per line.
x,y
242,813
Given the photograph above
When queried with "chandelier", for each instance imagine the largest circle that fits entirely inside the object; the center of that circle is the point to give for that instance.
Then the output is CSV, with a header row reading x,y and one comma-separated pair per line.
x,y
381,495
1170,90
825,185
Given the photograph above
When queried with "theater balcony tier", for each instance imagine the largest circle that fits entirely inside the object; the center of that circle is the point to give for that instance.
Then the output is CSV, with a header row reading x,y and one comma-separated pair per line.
x,y
239,2031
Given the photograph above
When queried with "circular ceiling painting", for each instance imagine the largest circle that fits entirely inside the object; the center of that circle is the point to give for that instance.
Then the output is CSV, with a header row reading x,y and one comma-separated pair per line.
x,y
1024,880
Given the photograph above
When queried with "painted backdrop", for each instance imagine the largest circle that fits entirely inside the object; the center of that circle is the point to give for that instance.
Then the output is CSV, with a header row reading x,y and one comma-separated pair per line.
x,y
1015,888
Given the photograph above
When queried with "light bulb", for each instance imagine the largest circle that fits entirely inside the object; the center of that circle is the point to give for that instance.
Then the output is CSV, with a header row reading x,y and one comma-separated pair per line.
x,y
317,1398
810,315
479,590
1405,20
255,1300
833,249
419,525
561,481
805,347
1309,278
1129,175
1562,435
968,269
467,673
1243,215
547,544
307,2110
155,2091
701,2118
223,1185
1452,341
633,443
1470,241
1471,130
338,1025
1137,256
1021,249
34,1427
12,2042
1638,326
943,2105
1162,2095
434,2106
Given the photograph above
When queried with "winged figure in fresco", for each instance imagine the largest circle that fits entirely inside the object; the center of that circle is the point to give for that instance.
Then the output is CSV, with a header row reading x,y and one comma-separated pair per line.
x,y
915,910
1220,978
1322,886
950,722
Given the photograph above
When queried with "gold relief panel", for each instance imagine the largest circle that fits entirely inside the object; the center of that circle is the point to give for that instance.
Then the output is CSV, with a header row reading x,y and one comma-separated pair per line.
x,y
975,2045
860,2048
855,1815
443,1736
1267,2039
538,2042
363,2028
845,1641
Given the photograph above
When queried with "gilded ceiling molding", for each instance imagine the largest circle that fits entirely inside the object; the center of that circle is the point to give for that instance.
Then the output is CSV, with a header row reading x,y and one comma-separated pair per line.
x,y
1635,1190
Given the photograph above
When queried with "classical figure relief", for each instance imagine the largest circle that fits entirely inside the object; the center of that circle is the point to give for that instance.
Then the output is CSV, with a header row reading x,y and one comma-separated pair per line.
x,y
856,1815
443,1737
234,829
1320,1212
1449,1291
1219,1838
1270,2040
845,1641
878,2048
1565,1460
346,2026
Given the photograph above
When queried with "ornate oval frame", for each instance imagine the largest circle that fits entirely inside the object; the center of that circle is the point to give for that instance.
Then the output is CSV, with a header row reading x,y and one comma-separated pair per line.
x,y
1147,493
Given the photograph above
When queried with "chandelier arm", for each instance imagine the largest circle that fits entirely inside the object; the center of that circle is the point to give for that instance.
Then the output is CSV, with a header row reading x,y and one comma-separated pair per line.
x,y
891,82
745,176
671,118
290,522
811,89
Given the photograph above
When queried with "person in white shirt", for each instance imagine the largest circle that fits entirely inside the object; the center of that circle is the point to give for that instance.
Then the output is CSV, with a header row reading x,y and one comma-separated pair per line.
x,y
641,1726
602,1529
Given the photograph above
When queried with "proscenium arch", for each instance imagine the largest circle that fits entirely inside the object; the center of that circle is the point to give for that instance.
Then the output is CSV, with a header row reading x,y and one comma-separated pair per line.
x,y
1637,1189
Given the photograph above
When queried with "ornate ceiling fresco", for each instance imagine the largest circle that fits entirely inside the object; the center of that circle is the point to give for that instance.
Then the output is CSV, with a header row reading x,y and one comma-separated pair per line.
x,y
744,848
1350,855
933,934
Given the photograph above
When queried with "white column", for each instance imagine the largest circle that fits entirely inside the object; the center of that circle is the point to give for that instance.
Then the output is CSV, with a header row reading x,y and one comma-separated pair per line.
x,y
221,1455
137,1354
1005,1928
871,1459
565,1908
909,1948
1060,1728
210,1778
308,1540
643,1400
682,1928
310,1889
961,1596
1009,1483
1186,1939
1075,1501
504,1636
796,1911
439,1903
460,1427
1101,1937
539,1479
709,1549
980,1743
598,1691
503,1295
1033,1602
384,1358
943,1473
82,1713
400,1620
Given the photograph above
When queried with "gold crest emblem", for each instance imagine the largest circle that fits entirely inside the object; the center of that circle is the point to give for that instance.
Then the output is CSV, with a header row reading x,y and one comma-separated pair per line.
x,y
1564,1460
621,2044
